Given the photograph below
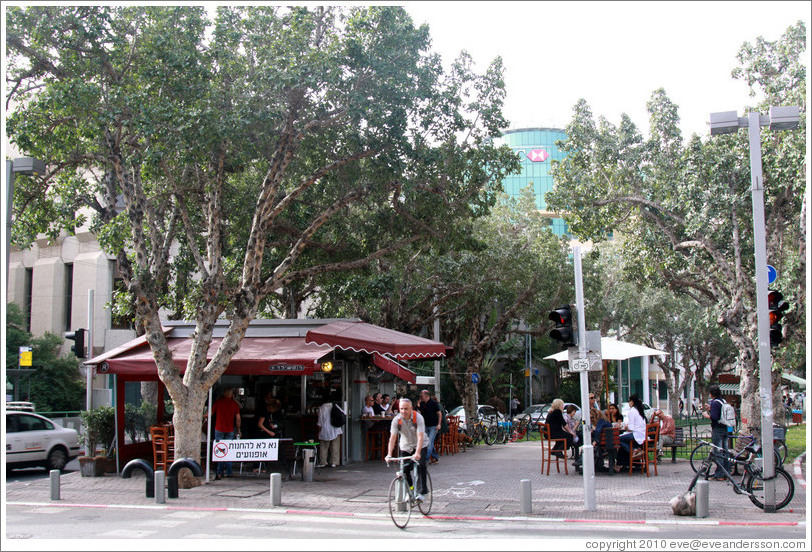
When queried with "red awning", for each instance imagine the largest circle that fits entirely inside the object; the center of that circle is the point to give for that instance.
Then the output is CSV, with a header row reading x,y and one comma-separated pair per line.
x,y
256,356
393,367
367,338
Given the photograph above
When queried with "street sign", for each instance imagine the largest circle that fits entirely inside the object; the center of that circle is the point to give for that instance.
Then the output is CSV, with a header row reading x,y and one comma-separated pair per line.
x,y
474,378
579,365
772,274
26,356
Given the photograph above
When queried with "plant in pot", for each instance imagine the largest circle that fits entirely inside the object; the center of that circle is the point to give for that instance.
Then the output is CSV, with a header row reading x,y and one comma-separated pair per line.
x,y
98,430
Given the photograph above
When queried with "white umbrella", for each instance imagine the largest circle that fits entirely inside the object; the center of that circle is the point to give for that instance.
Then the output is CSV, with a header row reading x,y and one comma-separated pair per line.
x,y
612,349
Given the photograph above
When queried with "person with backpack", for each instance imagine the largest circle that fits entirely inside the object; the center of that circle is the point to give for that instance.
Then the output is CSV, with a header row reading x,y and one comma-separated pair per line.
x,y
410,428
718,430
329,434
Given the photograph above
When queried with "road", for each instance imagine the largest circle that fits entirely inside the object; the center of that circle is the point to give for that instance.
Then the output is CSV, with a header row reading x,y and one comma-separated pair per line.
x,y
71,522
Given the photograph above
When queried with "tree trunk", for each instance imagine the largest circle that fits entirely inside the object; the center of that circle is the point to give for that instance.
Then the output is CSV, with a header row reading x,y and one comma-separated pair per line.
x,y
188,419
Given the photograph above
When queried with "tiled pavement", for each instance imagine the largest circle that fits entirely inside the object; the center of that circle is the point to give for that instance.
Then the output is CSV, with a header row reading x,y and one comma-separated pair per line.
x,y
482,482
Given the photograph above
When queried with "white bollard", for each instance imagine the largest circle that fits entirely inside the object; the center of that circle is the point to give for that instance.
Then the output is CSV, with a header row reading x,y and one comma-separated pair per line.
x,y
276,489
525,496
54,474
160,487
702,498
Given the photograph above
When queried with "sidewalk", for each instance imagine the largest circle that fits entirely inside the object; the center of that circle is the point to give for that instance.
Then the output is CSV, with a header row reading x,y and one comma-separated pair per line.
x,y
483,482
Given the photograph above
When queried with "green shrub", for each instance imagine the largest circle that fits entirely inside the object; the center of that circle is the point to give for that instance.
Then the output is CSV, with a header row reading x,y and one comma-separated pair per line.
x,y
98,427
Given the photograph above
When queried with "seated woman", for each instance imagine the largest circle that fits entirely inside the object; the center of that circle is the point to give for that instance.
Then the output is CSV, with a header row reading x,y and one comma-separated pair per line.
x,y
558,427
613,414
570,416
636,425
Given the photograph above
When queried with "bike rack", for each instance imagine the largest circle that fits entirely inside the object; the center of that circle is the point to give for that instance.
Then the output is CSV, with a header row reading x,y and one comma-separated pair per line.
x,y
144,466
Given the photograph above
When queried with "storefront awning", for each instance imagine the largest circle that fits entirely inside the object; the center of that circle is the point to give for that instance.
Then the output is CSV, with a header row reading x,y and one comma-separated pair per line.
x,y
367,338
729,388
398,370
256,356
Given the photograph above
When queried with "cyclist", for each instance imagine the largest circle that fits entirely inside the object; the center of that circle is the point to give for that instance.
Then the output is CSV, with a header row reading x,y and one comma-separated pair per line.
x,y
411,428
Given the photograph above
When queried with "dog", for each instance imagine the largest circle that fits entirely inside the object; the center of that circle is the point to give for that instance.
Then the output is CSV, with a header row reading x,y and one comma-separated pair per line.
x,y
684,504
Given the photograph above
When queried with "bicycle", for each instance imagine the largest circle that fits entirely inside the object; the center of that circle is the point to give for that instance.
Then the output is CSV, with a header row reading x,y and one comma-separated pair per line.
x,y
702,451
520,430
403,498
752,481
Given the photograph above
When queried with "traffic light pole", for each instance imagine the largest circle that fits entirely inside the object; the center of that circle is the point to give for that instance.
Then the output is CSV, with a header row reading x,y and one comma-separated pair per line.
x,y
587,458
764,360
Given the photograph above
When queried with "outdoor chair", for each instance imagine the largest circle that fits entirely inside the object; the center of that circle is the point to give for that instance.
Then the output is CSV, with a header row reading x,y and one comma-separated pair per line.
x,y
645,454
547,445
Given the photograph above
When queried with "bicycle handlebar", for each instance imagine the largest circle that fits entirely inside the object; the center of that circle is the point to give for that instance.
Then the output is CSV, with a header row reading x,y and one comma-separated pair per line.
x,y
398,458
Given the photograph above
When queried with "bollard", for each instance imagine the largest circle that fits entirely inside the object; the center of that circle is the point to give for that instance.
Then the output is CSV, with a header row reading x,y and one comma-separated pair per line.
x,y
525,496
702,495
160,481
308,464
144,466
276,489
172,486
55,484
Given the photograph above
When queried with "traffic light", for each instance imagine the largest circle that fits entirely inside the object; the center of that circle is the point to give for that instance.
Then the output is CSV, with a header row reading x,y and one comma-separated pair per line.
x,y
777,306
563,332
78,337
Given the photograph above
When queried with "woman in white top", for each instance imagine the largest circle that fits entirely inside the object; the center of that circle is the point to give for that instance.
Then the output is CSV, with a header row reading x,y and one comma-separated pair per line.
x,y
636,425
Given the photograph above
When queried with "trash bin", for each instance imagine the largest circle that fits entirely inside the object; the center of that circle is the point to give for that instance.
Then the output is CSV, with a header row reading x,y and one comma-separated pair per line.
x,y
308,464
797,417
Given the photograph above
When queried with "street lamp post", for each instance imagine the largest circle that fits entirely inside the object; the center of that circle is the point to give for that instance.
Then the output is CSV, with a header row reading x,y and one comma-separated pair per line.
x,y
22,165
780,118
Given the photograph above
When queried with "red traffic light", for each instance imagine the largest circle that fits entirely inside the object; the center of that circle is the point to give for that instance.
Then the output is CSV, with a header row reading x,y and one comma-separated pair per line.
x,y
776,306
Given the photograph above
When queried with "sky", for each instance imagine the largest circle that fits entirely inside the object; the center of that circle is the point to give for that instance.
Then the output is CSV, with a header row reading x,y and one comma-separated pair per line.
x,y
612,54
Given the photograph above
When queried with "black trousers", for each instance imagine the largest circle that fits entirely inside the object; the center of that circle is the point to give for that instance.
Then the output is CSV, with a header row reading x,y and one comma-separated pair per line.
x,y
422,469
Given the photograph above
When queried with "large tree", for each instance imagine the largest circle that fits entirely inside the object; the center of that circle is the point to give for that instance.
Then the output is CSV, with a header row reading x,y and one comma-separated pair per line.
x,y
225,160
685,209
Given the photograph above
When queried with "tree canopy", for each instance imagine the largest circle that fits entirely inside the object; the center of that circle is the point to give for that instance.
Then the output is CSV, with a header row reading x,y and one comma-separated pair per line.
x,y
223,160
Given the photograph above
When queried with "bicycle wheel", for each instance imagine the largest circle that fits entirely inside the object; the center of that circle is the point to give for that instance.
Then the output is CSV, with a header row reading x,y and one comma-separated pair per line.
x,y
490,435
784,488
425,506
700,453
703,471
781,449
400,507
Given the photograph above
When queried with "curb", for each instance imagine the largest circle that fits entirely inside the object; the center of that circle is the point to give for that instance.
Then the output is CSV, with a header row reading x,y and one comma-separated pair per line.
x,y
798,468
523,519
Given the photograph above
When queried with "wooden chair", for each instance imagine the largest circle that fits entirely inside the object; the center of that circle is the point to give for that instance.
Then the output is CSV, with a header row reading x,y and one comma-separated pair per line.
x,y
609,444
449,442
547,444
645,454
163,446
376,444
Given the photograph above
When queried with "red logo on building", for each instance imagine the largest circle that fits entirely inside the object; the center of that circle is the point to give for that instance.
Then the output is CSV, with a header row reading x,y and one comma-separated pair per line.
x,y
538,155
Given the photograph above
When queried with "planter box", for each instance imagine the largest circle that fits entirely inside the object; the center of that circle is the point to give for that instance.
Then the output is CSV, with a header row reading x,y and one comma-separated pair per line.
x,y
92,466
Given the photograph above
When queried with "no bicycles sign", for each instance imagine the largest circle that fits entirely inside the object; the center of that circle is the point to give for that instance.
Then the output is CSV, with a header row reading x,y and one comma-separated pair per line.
x,y
245,450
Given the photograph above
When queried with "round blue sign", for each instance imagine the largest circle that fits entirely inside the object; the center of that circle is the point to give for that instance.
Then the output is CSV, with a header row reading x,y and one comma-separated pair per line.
x,y
474,378
772,274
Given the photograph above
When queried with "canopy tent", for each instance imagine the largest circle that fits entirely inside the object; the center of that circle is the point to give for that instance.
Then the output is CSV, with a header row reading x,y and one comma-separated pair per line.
x,y
794,379
361,337
612,349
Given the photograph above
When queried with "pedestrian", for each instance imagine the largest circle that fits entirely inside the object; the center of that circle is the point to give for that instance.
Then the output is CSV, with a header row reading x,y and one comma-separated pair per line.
x,y
410,427
431,413
695,407
515,404
718,431
681,407
226,413
329,435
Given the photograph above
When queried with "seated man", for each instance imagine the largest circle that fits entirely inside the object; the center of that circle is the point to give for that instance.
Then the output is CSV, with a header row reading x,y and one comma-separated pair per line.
x,y
668,429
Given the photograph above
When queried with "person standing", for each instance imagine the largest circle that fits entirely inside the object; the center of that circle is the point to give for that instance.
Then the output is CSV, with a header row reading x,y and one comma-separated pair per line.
x,y
431,417
226,412
411,428
514,407
329,435
718,431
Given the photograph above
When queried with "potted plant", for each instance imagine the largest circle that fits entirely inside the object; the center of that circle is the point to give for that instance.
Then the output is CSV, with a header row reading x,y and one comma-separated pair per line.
x,y
98,430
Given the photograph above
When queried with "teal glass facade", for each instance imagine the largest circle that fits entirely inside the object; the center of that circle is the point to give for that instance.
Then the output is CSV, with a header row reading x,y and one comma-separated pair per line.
x,y
535,148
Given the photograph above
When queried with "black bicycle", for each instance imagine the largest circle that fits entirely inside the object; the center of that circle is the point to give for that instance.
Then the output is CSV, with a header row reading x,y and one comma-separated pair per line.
x,y
703,449
752,480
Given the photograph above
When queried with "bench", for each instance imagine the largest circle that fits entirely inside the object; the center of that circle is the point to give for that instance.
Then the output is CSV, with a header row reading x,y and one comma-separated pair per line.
x,y
679,441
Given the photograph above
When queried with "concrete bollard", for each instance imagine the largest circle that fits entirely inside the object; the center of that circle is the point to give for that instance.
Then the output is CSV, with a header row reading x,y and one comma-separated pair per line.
x,y
525,496
276,489
702,498
160,482
55,474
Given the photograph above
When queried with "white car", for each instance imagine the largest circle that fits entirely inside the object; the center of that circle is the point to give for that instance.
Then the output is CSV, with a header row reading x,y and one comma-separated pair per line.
x,y
483,411
647,410
34,440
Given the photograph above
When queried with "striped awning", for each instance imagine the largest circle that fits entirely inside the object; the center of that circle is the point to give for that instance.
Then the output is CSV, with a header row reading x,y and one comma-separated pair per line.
x,y
729,388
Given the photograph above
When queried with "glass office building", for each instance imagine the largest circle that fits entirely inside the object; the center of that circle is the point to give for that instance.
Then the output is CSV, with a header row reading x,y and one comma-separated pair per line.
x,y
536,148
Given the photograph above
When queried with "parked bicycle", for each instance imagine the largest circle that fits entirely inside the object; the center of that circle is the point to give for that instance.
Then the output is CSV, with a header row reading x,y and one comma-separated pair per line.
x,y
752,480
403,497
702,451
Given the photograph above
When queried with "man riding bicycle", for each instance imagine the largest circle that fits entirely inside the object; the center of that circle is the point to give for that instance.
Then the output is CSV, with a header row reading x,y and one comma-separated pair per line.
x,y
411,428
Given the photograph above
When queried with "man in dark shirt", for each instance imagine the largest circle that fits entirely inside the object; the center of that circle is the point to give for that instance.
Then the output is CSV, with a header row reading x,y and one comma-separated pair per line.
x,y
430,411
718,430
